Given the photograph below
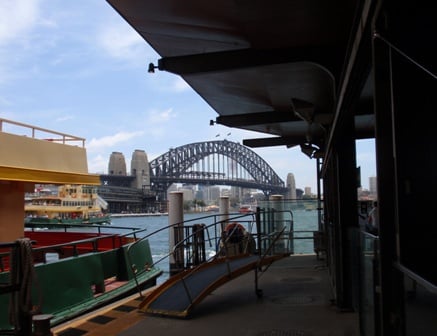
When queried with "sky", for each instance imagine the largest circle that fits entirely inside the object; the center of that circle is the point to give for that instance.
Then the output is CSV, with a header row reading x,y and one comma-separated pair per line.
x,y
77,67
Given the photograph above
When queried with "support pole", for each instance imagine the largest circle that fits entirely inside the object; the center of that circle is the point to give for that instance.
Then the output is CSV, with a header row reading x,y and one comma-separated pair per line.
x,y
277,205
258,231
224,211
176,232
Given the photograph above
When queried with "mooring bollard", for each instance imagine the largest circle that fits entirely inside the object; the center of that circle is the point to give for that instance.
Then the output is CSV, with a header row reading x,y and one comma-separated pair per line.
x,y
41,325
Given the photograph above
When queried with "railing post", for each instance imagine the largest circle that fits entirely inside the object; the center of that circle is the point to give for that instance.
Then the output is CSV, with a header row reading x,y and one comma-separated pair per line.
x,y
278,205
176,233
258,229
199,253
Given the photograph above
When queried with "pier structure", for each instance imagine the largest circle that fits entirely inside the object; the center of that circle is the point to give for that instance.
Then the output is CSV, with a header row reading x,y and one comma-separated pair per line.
x,y
322,76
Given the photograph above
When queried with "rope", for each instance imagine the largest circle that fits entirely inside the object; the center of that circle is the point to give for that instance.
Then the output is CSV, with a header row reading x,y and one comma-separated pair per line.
x,y
21,268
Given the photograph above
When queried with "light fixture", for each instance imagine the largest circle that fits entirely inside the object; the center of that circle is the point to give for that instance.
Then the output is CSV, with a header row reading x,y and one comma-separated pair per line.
x,y
152,68
319,154
211,122
309,149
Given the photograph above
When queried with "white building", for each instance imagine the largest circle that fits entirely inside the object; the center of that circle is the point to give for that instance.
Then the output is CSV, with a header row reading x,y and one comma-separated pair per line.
x,y
291,185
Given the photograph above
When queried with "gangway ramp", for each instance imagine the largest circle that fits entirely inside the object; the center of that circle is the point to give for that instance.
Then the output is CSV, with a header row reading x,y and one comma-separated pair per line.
x,y
180,293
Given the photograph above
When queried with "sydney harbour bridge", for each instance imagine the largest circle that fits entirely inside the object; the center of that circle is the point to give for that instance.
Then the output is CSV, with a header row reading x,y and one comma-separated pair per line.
x,y
220,162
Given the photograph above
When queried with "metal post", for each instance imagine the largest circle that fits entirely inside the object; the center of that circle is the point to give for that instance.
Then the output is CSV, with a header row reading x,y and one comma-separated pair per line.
x,y
224,211
319,195
176,233
41,325
278,206
258,230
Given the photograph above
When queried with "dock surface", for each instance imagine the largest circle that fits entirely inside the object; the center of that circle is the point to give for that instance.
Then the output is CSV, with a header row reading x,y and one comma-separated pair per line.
x,y
297,301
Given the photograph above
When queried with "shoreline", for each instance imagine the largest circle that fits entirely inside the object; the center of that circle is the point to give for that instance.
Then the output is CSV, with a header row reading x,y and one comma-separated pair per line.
x,y
145,214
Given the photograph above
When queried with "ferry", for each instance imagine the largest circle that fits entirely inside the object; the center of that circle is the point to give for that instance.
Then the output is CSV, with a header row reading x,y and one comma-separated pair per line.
x,y
212,208
245,209
50,276
72,205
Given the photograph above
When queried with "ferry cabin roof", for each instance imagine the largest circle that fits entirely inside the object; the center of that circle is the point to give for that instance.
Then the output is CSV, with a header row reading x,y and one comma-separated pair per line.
x,y
26,160
320,75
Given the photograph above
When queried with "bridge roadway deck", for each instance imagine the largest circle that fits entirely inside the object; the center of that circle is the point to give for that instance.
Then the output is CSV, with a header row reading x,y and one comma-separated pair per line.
x,y
296,302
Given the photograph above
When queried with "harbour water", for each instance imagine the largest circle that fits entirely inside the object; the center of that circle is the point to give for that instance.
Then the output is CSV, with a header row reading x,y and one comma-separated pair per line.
x,y
304,223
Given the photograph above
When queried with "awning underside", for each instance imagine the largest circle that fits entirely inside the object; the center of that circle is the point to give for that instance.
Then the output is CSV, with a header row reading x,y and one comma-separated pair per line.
x,y
46,177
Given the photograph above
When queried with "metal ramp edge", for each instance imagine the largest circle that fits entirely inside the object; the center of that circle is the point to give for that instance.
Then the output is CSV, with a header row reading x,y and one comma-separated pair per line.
x,y
179,294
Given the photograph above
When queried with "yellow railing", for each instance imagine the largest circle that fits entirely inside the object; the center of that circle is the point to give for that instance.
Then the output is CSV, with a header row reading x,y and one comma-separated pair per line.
x,y
39,132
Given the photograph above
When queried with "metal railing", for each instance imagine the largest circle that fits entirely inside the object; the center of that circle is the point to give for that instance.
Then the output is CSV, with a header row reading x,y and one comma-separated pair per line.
x,y
76,247
430,287
45,134
262,238
213,231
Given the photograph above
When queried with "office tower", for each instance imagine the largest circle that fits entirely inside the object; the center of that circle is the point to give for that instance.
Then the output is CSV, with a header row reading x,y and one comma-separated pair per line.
x,y
373,185
291,185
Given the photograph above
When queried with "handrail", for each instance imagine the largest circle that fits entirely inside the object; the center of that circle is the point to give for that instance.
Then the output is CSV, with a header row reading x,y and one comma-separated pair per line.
x,y
184,222
135,271
414,276
135,230
229,219
228,264
8,244
275,239
405,270
99,228
64,136
370,235
217,238
93,240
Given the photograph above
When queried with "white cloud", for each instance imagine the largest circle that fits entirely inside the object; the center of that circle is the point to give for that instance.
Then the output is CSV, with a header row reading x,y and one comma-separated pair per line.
x,y
157,117
17,17
111,140
179,85
97,164
64,118
121,42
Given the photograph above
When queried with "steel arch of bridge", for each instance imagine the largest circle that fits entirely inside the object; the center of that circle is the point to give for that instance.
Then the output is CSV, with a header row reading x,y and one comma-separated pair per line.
x,y
176,165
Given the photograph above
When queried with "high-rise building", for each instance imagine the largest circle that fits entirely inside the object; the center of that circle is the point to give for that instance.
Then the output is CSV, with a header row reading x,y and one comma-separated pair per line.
x,y
117,164
236,193
373,185
187,192
212,193
140,169
291,185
